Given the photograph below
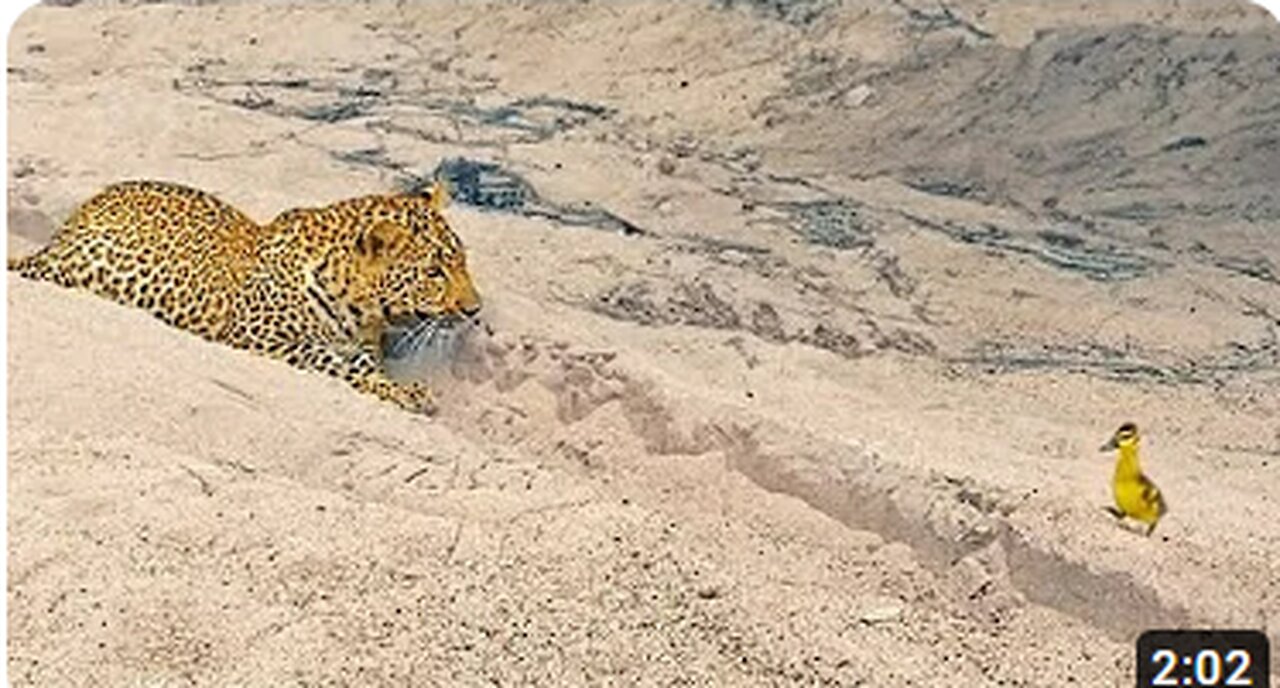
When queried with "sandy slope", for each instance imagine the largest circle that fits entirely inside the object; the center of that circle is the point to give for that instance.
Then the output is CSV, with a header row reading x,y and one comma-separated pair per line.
x,y
802,327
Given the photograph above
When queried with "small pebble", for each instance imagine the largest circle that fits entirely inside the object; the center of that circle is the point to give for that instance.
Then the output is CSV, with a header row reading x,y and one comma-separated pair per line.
x,y
881,612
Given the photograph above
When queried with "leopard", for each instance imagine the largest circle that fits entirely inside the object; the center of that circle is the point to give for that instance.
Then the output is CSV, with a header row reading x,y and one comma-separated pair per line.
x,y
320,288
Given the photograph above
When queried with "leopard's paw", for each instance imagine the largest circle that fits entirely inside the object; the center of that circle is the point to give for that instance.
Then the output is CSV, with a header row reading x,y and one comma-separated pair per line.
x,y
415,397
412,396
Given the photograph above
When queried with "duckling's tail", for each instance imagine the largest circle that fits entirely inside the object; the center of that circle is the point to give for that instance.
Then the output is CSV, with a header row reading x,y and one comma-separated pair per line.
x,y
1157,497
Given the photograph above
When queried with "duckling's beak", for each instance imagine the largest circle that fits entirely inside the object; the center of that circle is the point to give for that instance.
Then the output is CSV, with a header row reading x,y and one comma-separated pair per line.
x,y
1111,445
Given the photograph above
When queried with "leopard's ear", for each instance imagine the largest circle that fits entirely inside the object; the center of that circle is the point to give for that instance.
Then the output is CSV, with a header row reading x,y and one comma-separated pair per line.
x,y
380,240
438,194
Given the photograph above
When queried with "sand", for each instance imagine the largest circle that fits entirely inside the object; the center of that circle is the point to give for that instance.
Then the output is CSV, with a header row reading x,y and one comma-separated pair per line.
x,y
803,323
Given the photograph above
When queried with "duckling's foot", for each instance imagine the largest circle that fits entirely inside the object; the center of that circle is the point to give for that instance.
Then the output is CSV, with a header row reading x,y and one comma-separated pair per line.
x,y
1118,514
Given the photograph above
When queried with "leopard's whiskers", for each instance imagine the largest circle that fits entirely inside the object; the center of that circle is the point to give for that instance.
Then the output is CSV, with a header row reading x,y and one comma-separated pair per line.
x,y
415,339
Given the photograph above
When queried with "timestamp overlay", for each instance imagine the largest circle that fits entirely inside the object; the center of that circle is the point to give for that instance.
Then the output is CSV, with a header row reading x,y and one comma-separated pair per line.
x,y
1204,658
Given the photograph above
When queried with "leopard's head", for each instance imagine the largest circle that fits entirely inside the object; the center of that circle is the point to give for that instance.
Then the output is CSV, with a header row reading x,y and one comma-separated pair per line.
x,y
407,266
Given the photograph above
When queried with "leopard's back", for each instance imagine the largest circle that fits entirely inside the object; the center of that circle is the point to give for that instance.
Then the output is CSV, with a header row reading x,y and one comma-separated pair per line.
x,y
174,251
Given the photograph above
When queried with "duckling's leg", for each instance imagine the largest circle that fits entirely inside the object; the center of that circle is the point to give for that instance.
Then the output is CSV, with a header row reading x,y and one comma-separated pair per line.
x,y
1152,528
1118,514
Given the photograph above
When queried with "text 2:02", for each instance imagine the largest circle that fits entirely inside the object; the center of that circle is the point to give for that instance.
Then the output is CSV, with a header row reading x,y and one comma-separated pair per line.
x,y
1207,668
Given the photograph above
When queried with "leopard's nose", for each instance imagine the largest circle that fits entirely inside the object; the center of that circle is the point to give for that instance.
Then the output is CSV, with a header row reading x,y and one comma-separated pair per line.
x,y
466,299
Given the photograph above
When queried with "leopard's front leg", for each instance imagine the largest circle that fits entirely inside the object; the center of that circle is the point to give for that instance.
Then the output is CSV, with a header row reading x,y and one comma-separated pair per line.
x,y
411,395
361,367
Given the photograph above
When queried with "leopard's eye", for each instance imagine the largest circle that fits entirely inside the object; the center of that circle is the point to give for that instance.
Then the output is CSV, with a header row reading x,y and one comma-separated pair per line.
x,y
434,272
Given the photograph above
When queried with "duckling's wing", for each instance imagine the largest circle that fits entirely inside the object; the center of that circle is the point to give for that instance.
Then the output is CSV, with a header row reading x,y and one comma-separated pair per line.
x,y
1151,494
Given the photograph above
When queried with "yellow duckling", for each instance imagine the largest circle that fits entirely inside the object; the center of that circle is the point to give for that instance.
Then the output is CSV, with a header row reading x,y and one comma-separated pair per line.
x,y
1136,496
